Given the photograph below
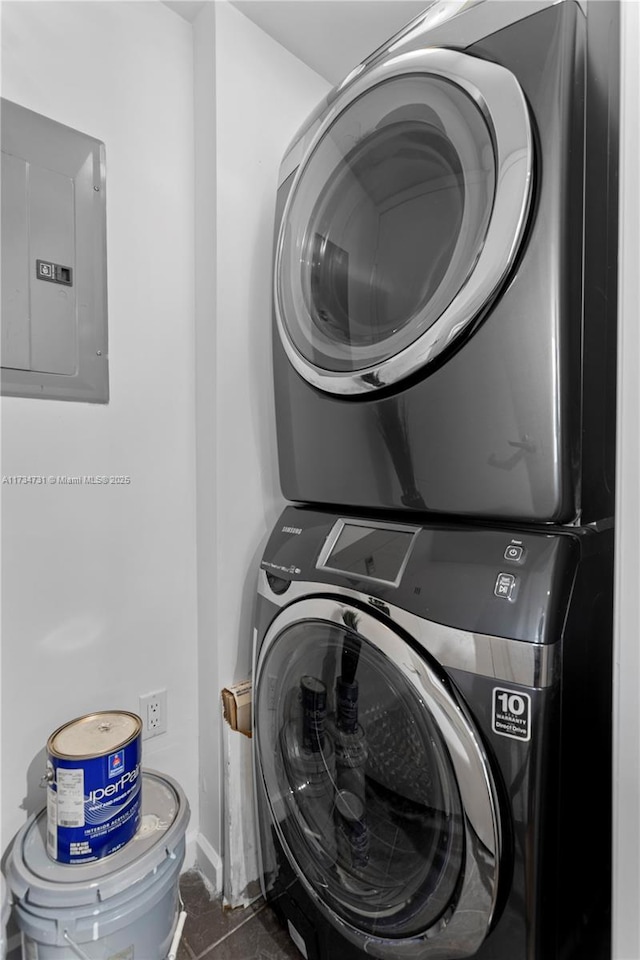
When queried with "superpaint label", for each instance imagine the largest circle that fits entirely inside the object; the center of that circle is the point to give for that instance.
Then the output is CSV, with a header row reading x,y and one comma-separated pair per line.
x,y
112,789
511,714
93,805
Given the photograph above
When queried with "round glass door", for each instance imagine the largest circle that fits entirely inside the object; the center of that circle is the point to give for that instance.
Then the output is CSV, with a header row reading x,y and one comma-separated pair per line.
x,y
361,780
406,192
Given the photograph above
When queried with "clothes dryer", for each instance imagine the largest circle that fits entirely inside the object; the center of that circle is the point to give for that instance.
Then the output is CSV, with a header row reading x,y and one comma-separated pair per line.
x,y
432,726
444,300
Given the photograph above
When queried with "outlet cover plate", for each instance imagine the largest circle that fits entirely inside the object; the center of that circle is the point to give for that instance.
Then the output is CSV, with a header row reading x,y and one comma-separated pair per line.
x,y
153,711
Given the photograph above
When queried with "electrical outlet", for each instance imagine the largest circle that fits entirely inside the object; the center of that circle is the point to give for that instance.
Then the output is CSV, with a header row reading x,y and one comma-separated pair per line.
x,y
153,710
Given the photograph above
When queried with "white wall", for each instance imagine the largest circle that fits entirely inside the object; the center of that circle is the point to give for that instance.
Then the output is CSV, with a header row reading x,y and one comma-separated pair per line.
x,y
626,849
247,111
99,583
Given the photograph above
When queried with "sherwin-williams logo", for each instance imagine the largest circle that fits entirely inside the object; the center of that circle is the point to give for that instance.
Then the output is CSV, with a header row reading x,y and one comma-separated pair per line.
x,y
296,530
116,764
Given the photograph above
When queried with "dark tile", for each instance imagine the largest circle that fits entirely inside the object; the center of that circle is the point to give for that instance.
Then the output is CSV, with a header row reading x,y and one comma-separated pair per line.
x,y
207,921
15,953
260,938
184,951
12,939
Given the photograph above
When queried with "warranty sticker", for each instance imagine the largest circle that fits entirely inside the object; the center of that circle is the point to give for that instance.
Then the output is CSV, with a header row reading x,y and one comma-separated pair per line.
x,y
511,714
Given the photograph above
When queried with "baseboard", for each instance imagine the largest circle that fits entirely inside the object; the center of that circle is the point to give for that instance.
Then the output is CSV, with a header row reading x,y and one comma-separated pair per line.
x,y
203,857
240,883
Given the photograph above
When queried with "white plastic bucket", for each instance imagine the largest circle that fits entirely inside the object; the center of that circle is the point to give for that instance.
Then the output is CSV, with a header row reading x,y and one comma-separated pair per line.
x,y
124,907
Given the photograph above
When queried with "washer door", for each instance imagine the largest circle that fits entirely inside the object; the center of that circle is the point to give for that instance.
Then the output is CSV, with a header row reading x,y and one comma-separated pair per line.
x,y
377,783
403,220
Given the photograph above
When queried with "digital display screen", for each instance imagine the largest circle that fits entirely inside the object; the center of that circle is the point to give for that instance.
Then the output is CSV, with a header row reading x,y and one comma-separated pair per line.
x,y
375,553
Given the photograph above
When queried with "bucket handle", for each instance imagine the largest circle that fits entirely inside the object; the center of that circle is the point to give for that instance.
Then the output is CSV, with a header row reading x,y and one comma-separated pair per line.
x,y
177,936
79,952
175,943
173,949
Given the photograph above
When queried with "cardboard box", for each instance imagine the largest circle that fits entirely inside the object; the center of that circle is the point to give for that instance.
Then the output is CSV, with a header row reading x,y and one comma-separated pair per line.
x,y
236,704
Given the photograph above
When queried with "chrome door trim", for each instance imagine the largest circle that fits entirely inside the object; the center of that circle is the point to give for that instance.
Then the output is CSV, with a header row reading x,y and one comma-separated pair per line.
x,y
446,23
487,84
534,665
499,97
458,24
465,924
293,157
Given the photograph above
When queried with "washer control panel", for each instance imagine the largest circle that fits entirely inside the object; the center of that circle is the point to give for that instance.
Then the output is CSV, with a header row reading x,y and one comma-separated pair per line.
x,y
499,582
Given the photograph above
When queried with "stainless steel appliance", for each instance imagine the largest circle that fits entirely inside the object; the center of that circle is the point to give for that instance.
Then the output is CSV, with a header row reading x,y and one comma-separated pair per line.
x,y
432,727
444,293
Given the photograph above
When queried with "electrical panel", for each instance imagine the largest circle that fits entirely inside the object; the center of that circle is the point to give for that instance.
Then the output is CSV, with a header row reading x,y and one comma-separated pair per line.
x,y
54,276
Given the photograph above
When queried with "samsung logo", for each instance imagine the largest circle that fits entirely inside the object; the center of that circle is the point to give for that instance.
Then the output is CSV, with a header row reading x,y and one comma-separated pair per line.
x,y
296,530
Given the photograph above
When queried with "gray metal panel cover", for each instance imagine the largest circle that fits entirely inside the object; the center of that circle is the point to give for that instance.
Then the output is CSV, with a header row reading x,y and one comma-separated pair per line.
x,y
54,332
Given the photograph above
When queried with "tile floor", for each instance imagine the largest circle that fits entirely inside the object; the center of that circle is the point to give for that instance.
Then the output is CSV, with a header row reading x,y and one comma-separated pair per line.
x,y
211,933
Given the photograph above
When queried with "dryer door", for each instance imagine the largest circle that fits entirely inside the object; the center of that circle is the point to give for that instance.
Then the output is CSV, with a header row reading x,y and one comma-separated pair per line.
x,y
377,783
403,220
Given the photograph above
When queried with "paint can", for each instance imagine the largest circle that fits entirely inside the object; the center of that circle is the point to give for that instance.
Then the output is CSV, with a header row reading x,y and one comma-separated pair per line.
x,y
126,907
93,786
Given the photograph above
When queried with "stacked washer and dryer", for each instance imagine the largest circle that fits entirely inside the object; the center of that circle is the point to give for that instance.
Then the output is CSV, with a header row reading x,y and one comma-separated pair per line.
x,y
432,664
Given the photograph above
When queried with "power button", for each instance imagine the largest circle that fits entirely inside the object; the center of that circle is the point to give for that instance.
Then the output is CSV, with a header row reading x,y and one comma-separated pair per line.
x,y
514,553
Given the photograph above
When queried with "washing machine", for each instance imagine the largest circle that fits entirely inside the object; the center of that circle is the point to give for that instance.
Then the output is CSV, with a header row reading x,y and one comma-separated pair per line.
x,y
444,277
432,724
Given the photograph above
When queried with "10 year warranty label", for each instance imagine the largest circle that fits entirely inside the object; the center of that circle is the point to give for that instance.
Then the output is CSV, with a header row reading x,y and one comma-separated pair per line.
x,y
511,714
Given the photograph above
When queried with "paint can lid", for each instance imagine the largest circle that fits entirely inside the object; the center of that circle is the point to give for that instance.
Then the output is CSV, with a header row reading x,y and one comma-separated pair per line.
x,y
32,874
94,735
